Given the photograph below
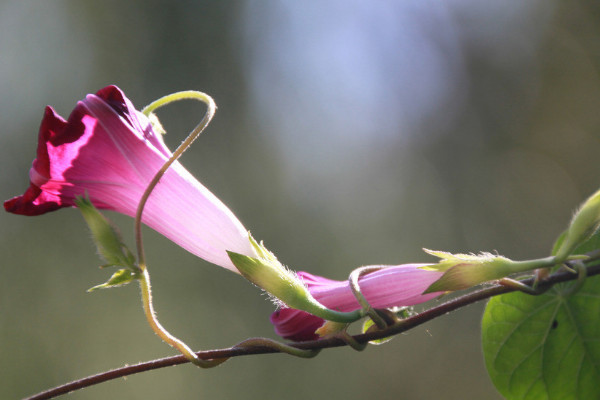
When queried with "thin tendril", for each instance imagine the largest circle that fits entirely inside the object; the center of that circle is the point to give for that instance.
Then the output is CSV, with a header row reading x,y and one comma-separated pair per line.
x,y
144,279
210,112
366,306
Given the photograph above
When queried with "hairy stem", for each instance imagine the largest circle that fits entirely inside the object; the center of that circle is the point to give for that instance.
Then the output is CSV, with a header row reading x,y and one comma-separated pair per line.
x,y
144,279
156,326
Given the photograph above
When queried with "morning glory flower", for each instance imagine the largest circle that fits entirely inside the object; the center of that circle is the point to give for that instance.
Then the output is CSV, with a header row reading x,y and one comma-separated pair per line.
x,y
391,286
109,152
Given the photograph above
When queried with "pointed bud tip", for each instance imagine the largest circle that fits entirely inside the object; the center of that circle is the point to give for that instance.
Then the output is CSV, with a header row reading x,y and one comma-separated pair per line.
x,y
584,224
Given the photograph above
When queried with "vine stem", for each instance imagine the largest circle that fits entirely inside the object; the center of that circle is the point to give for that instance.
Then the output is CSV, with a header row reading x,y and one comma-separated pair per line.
x,y
149,109
144,276
328,342
144,281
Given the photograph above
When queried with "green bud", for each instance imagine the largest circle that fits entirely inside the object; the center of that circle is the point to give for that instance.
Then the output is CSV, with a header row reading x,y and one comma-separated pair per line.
x,y
274,278
462,271
106,237
585,222
268,273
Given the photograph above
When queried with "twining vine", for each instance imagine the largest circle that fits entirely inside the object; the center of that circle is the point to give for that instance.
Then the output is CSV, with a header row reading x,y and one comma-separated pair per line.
x,y
563,275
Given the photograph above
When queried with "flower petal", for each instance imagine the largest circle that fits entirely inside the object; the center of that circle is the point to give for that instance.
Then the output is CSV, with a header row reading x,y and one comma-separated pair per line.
x,y
109,152
390,286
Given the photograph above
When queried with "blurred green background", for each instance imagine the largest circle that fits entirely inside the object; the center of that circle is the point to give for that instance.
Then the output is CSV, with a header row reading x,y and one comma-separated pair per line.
x,y
348,133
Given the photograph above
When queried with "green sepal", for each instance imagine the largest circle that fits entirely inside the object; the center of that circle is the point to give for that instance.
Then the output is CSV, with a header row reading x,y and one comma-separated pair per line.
x,y
284,285
156,125
274,278
266,272
462,271
119,278
106,237
368,326
449,260
466,270
330,328
261,251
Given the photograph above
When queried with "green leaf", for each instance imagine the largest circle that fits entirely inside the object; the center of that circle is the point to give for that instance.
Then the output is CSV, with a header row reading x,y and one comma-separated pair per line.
x,y
119,278
108,241
547,346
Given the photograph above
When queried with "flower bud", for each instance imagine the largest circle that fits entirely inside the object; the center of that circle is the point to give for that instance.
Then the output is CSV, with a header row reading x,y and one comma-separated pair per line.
x,y
388,287
268,273
274,278
462,271
585,222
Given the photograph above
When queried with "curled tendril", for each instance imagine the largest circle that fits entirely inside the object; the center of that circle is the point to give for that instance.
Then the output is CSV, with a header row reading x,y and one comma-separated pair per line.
x,y
275,345
144,279
366,307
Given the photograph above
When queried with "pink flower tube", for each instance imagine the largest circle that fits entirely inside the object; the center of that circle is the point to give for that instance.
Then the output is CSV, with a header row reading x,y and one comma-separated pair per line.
x,y
392,286
107,150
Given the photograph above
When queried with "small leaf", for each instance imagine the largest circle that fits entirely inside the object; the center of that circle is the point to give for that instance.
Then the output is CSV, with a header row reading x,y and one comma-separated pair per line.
x,y
106,237
119,278
369,324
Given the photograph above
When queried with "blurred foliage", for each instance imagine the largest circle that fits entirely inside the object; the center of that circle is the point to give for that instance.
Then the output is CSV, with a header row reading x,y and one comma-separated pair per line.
x,y
345,136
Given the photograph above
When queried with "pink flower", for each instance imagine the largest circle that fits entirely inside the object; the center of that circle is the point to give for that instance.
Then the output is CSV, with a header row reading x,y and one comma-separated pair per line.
x,y
108,151
393,286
